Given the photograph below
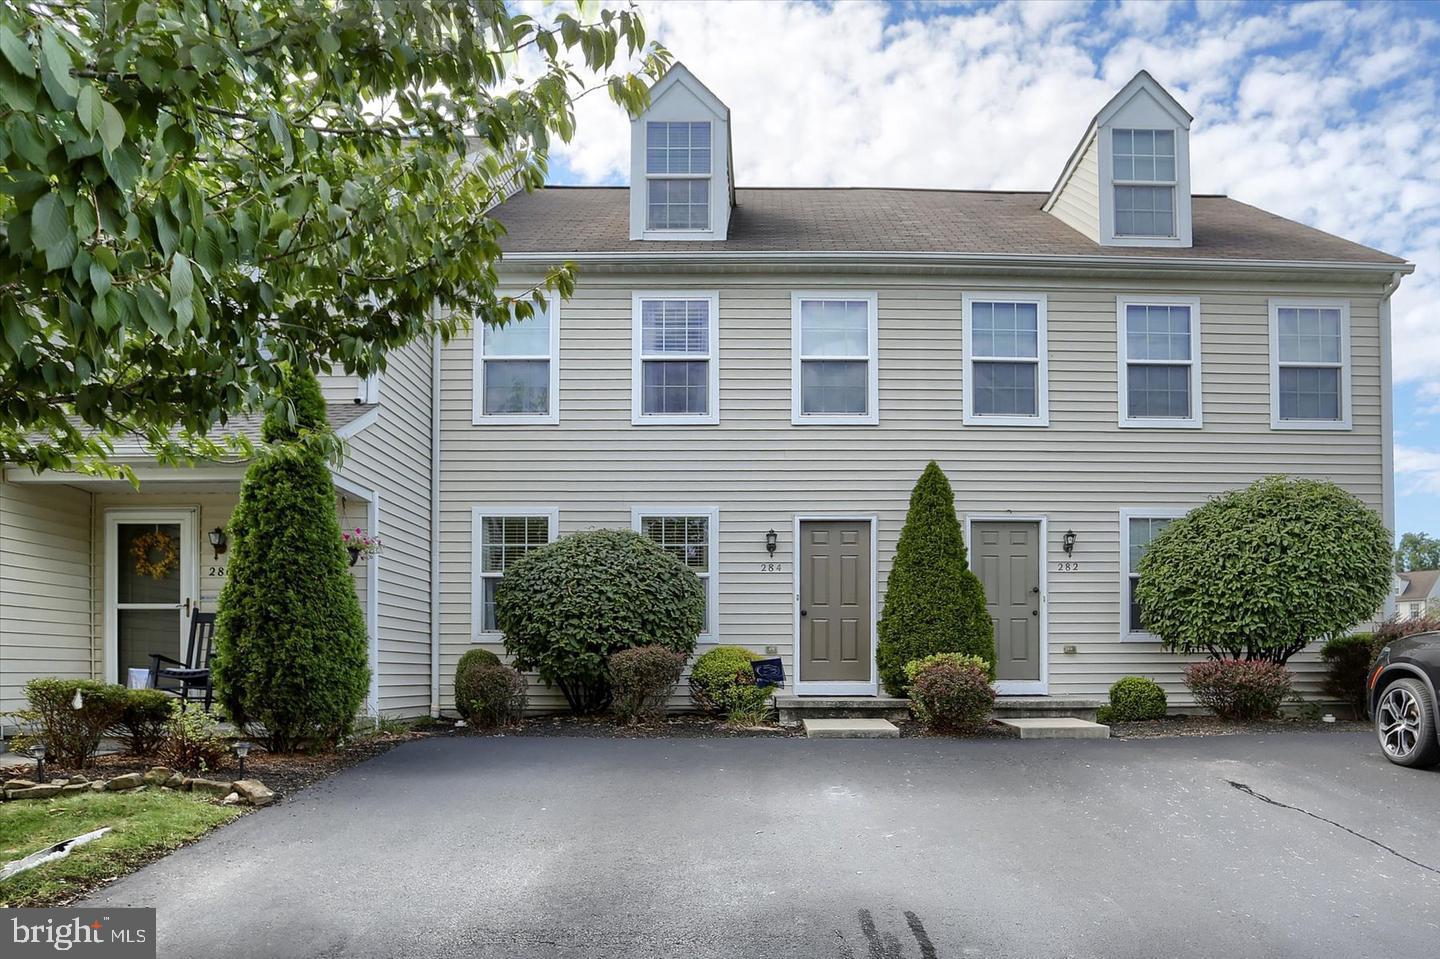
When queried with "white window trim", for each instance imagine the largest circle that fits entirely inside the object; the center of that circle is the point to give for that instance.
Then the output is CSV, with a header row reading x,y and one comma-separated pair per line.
x,y
1126,515
871,416
1183,231
549,418
1196,419
477,578
638,416
712,579
1344,422
1042,360
672,232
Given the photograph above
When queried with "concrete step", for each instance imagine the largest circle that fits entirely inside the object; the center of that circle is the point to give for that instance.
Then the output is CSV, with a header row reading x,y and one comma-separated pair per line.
x,y
850,729
795,709
1054,727
1017,707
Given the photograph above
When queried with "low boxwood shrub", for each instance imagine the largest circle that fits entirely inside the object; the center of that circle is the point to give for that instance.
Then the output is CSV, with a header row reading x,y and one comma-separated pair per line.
x,y
71,735
566,607
641,680
487,693
951,691
1238,688
1347,667
1133,699
477,656
141,729
192,739
722,681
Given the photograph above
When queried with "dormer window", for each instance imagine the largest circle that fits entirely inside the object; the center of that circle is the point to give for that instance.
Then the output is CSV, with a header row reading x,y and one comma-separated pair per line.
x,y
677,175
1144,163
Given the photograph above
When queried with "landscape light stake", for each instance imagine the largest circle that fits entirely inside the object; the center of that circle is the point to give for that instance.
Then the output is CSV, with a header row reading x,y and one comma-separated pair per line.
x,y
240,750
38,751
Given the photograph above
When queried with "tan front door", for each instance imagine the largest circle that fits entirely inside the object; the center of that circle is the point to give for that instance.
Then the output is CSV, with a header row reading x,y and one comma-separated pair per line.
x,y
1006,557
835,615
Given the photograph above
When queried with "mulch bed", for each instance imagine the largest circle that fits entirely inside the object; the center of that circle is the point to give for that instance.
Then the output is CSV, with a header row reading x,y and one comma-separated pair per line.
x,y
1215,726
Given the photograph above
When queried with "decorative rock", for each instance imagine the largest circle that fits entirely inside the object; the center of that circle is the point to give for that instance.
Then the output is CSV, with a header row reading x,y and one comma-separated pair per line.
x,y
19,783
212,786
176,781
77,779
59,781
75,788
254,791
127,781
34,792
159,775
231,800
98,786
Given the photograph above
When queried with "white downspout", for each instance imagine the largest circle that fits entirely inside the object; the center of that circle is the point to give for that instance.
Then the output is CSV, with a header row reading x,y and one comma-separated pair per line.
x,y
1387,427
435,526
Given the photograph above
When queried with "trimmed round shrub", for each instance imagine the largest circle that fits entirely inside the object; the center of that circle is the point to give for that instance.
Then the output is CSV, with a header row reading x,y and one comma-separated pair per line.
x,y
566,607
290,641
141,729
952,694
478,655
641,680
723,681
1347,668
489,694
913,667
933,602
70,735
1133,699
1260,573
1239,688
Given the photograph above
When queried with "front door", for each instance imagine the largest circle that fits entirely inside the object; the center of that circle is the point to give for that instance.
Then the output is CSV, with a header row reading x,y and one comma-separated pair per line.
x,y
150,576
835,607
1006,557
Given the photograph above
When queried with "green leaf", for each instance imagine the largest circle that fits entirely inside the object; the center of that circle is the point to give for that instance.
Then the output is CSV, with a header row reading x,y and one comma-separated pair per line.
x,y
182,285
100,279
90,109
16,92
49,223
154,312
112,126
55,68
17,51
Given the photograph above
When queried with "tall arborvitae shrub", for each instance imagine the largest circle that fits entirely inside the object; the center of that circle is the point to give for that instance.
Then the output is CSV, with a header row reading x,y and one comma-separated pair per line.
x,y
933,603
290,643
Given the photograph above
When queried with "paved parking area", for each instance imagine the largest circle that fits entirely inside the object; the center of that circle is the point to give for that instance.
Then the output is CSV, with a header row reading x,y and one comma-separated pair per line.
x,y
1286,845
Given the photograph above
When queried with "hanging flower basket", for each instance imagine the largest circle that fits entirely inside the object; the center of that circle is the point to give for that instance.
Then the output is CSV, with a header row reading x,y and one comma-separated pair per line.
x,y
360,544
156,554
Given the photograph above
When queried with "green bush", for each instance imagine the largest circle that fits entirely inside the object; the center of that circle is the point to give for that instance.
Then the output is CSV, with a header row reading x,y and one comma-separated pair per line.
x,y
71,736
933,602
642,679
1260,573
952,693
477,656
1396,628
290,640
566,607
1239,688
141,728
1347,667
489,694
915,666
1133,699
723,681
192,740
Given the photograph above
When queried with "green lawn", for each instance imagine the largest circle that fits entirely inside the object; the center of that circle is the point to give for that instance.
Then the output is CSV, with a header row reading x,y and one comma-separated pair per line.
x,y
145,825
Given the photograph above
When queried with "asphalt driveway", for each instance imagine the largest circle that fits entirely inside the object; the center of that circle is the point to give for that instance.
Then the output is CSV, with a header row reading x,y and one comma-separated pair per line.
x,y
838,849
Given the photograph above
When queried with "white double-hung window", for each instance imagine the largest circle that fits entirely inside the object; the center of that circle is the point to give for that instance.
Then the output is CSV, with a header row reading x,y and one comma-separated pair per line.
x,y
1005,360
1138,528
1310,364
675,376
1159,361
499,538
691,534
677,175
834,363
517,370
1144,166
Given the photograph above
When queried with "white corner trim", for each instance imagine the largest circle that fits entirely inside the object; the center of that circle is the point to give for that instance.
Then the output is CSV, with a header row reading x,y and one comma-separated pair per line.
x,y
1387,426
871,416
1196,419
1344,422
968,416
433,606
477,594
638,357
1016,687
551,417
362,422
1127,513
872,687
712,546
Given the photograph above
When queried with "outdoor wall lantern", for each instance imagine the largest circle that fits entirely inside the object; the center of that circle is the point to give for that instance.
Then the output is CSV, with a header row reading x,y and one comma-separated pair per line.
x,y
771,539
1068,542
218,541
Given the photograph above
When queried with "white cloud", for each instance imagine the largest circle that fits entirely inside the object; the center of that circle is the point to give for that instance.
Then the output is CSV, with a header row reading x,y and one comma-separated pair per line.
x,y
1323,112
1417,470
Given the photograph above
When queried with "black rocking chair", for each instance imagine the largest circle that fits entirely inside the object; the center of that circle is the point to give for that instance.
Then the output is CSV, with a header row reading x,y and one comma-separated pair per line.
x,y
193,675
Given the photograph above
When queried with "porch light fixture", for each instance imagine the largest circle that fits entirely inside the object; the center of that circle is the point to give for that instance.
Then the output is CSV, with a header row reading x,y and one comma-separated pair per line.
x,y
218,541
771,540
1068,542
240,750
38,751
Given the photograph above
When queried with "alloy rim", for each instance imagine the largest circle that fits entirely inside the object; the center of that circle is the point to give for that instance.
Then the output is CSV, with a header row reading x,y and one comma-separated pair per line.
x,y
1399,722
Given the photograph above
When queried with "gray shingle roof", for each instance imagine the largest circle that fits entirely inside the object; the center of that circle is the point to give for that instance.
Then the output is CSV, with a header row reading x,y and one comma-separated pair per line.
x,y
1419,584
819,220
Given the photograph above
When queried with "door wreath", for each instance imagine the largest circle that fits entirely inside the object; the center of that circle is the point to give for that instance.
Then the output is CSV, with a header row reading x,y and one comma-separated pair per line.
x,y
155,553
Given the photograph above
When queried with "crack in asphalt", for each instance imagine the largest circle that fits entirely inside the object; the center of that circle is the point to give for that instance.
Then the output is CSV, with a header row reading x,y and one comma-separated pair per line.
x,y
1249,791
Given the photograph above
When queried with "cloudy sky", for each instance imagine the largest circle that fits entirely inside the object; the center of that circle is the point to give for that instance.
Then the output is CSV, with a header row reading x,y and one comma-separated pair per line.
x,y
1324,112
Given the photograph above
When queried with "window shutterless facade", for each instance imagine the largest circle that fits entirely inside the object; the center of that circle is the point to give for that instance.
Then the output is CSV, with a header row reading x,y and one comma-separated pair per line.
x,y
499,537
834,359
1159,361
1138,528
517,370
675,343
691,534
677,175
1145,177
1310,364
1006,362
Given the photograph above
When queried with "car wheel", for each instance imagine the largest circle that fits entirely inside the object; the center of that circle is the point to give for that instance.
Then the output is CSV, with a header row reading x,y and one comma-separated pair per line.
x,y
1405,724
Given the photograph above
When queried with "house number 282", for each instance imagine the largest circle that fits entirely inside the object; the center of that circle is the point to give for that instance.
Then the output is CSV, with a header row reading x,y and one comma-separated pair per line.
x,y
1067,567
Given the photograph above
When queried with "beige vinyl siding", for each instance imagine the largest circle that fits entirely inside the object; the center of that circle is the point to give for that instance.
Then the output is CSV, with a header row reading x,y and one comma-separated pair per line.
x,y
339,386
45,583
392,457
1078,203
760,471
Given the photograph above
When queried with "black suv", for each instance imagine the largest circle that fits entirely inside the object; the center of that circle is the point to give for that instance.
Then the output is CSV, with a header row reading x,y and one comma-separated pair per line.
x,y
1403,703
